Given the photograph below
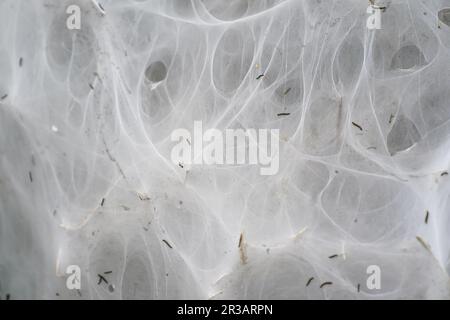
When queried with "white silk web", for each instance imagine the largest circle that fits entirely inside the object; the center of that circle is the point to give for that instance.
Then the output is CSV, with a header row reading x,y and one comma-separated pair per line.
x,y
86,177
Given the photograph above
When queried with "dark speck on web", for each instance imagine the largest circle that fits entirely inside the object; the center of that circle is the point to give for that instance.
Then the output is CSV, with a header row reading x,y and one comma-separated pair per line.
x,y
357,125
167,243
327,283
391,118
101,279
